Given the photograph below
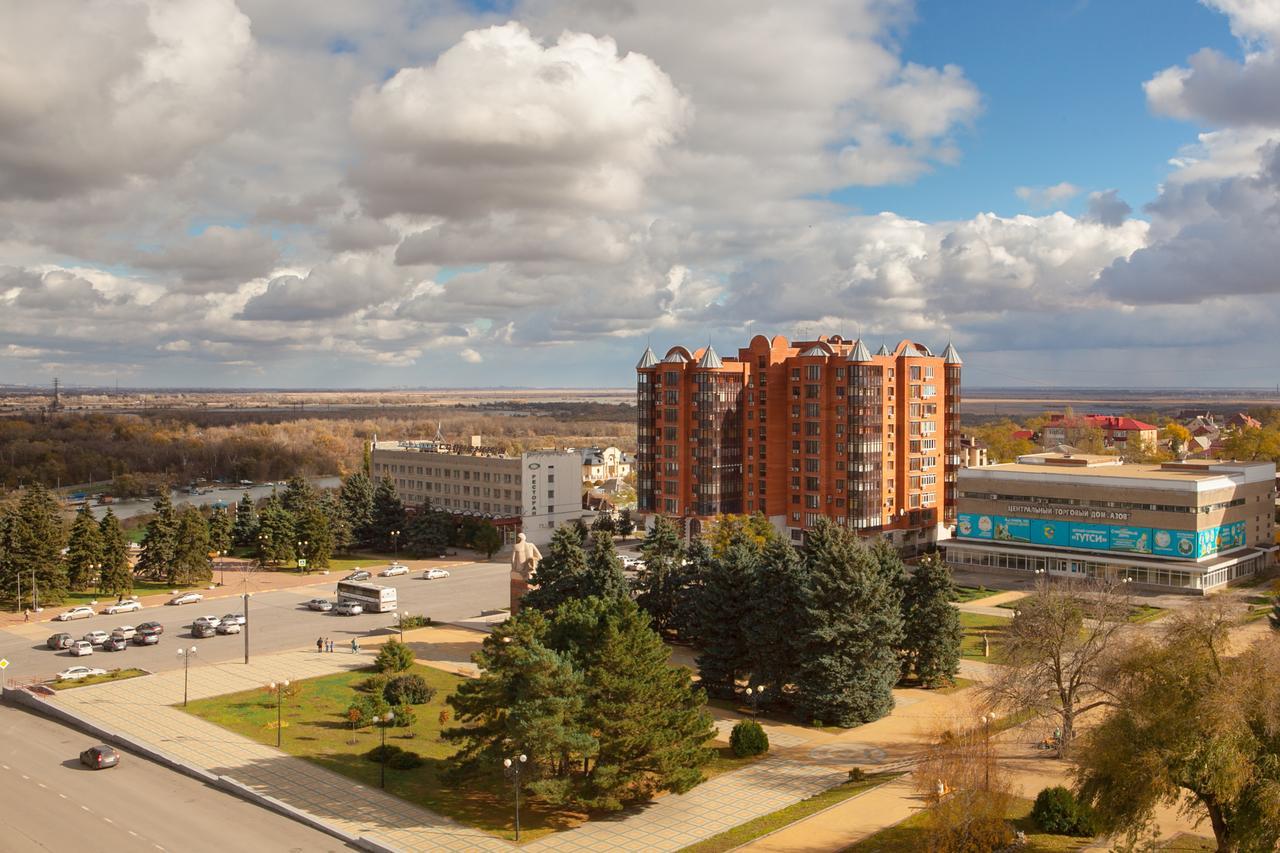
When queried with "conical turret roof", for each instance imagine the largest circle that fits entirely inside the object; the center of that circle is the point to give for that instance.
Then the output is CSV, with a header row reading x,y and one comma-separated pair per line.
x,y
859,352
911,352
647,360
710,359
950,356
884,350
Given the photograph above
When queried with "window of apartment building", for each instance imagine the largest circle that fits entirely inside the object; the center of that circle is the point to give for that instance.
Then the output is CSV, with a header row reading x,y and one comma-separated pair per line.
x,y
795,428
913,501
839,374
813,372
671,377
811,466
928,372
913,482
795,499
672,397
927,391
811,410
795,374
811,392
551,478
668,451
915,372
810,518
795,411
890,375
811,428
671,414
795,447
669,433
811,483
795,534
929,444
811,446
795,482
928,480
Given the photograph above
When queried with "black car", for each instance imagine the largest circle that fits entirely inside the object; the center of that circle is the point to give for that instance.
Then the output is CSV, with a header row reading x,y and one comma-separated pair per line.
x,y
200,631
99,757
146,638
358,575
150,626
60,641
115,644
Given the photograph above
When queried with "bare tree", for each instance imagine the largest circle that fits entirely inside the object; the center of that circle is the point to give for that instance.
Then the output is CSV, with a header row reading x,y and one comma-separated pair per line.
x,y
1055,650
966,787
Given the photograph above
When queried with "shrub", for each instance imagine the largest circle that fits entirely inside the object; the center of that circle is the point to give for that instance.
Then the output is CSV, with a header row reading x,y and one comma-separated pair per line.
x,y
409,689
374,684
748,738
408,622
390,751
1057,810
857,774
404,760
365,708
405,717
394,656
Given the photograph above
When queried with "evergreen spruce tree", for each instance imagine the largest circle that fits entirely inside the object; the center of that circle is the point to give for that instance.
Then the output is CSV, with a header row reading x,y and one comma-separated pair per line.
x,y
776,606
191,564
428,533
724,600
560,573
34,545
221,526
244,533
160,542
487,539
847,658
339,526
603,577
626,523
584,532
298,495
357,504
648,719
527,699
690,577
604,521
8,575
658,594
931,625
388,515
313,538
275,533
84,550
116,577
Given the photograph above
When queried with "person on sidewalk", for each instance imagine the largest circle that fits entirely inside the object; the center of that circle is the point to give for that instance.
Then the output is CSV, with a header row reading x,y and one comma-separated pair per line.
x,y
26,615
320,645
355,647
329,645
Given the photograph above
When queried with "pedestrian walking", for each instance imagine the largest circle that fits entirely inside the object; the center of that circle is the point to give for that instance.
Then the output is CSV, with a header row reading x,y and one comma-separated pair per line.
x,y
329,643
26,615
355,647
319,645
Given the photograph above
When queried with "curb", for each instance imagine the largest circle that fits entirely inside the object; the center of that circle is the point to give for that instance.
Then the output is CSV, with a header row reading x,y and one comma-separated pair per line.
x,y
29,701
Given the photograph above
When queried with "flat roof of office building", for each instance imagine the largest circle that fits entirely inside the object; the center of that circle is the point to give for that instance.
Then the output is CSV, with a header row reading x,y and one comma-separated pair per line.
x,y
1103,469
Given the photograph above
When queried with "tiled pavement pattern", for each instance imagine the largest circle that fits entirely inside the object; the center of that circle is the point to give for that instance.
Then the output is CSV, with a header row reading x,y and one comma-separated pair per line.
x,y
778,737
143,709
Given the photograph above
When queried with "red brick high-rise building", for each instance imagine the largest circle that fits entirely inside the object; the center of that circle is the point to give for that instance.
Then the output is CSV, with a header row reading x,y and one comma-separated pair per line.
x,y
800,430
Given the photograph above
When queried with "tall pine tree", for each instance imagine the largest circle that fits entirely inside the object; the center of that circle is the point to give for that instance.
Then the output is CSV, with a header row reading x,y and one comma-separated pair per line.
x,y
658,593
160,542
723,604
33,548
931,624
776,607
428,533
220,530
357,504
603,577
244,533
275,533
298,495
191,564
314,540
690,577
559,576
84,550
847,651
389,516
339,527
116,577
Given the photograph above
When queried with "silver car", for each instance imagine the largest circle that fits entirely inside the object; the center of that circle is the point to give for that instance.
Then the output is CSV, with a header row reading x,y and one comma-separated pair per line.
x,y
324,605
348,608
225,627
237,618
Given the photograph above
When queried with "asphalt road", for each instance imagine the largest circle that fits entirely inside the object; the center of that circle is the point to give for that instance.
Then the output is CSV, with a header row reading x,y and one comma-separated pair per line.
x,y
53,803
277,621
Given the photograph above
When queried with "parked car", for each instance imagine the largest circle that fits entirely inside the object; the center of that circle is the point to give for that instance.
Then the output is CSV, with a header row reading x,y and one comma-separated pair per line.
x,y
81,612
433,574
146,638
80,648
201,630
393,570
211,621
77,672
187,598
237,618
324,605
348,608
97,638
123,607
58,642
125,632
99,757
228,628
358,575
155,627
115,644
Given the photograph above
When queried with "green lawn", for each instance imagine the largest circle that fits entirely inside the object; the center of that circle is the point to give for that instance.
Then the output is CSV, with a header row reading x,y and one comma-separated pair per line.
x,y
774,821
910,836
140,588
113,675
1145,613
973,593
974,625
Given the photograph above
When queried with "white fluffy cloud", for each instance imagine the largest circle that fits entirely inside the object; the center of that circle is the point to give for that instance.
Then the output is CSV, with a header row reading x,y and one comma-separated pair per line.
x,y
1042,198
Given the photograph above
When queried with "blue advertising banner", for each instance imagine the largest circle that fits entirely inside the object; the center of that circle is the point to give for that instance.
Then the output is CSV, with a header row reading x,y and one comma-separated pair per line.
x,y
1093,536
1135,540
1184,544
1057,533
1013,529
1174,543
972,526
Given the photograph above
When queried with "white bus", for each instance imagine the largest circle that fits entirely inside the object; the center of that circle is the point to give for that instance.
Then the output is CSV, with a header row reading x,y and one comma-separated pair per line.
x,y
374,598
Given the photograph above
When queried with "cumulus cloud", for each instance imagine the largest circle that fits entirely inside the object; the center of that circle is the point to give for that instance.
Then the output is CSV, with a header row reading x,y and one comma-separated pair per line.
x,y
517,238
500,121
333,289
130,88
470,356
1042,198
218,258
1107,207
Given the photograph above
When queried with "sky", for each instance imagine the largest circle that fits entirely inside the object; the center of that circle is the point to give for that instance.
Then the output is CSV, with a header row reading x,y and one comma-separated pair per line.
x,y
435,193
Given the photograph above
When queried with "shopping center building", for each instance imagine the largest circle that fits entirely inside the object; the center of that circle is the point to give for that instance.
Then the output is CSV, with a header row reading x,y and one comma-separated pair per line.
x,y
1188,526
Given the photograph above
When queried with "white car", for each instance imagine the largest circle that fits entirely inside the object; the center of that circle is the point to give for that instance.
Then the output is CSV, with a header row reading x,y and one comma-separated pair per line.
x,y
349,608
81,612
433,574
324,605
75,672
80,648
393,570
123,607
237,618
187,598
629,562
124,632
97,638
211,621
225,627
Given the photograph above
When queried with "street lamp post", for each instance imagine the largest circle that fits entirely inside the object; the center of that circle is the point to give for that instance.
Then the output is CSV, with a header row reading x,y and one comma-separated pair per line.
x,y
383,722
512,768
279,690
185,655
395,544
302,548
986,757
754,694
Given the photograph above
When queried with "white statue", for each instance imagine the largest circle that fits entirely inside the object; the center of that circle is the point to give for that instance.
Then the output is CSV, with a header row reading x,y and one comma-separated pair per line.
x,y
524,565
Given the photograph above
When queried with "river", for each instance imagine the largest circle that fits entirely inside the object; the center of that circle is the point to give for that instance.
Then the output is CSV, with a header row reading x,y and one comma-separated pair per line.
x,y
227,494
